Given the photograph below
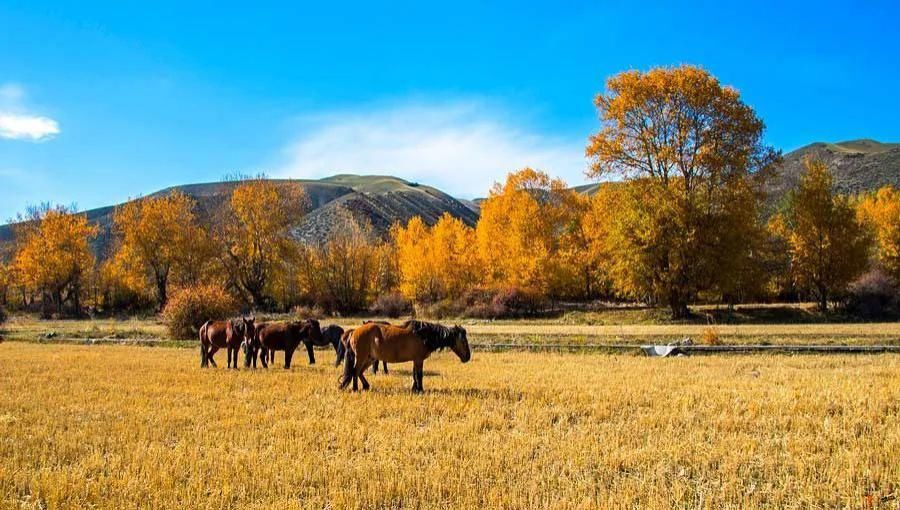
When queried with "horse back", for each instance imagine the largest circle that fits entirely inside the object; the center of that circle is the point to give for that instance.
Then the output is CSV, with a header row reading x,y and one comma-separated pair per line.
x,y
276,336
393,344
216,333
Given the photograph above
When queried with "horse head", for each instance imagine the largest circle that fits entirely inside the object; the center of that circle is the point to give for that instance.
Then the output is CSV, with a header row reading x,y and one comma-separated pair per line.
x,y
460,344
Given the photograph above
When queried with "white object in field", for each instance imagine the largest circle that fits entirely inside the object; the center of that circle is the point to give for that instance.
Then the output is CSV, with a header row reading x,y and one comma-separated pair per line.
x,y
662,351
658,350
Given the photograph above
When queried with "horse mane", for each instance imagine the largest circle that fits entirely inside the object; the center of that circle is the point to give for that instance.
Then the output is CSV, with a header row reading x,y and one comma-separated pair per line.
x,y
434,335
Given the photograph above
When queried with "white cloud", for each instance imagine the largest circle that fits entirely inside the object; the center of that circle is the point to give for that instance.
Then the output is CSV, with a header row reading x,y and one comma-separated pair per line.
x,y
27,127
17,123
461,147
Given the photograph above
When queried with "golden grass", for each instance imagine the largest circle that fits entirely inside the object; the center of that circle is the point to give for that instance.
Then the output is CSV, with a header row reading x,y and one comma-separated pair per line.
x,y
122,427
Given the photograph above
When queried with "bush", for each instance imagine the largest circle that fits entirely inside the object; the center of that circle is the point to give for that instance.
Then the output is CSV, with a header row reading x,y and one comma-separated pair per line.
x,y
190,307
392,305
2,314
873,296
505,302
443,309
710,336
308,312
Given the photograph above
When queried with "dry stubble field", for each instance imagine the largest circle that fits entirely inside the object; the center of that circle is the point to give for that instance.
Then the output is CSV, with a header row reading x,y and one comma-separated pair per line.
x,y
123,426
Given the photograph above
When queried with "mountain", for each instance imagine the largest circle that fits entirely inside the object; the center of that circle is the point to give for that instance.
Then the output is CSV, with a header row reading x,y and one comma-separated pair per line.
x,y
380,200
857,166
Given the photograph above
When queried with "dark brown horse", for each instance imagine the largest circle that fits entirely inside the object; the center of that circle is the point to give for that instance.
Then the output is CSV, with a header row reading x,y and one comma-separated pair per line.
x,y
412,341
215,335
283,336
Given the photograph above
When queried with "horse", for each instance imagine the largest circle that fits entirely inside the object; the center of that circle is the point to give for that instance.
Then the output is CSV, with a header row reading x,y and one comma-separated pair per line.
x,y
331,335
283,336
412,341
342,347
230,334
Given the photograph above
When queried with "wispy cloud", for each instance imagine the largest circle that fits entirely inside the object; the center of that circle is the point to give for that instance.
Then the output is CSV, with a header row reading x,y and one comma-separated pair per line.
x,y
461,146
17,122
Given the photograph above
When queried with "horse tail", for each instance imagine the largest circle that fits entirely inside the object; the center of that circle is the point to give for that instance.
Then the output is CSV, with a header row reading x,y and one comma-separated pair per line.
x,y
203,341
349,366
339,350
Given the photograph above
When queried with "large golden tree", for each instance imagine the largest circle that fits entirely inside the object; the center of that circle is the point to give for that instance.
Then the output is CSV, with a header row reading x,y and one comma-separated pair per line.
x,y
692,154
54,257
829,246
881,211
160,240
519,232
257,234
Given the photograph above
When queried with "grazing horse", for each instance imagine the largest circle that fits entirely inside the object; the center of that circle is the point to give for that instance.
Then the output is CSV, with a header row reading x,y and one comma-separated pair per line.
x,y
283,336
412,341
329,336
215,335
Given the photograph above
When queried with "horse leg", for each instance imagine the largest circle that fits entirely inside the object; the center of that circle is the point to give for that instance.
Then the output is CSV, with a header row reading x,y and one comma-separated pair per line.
x,y
417,376
361,368
288,354
264,357
385,367
309,350
212,351
203,362
375,367
228,353
349,368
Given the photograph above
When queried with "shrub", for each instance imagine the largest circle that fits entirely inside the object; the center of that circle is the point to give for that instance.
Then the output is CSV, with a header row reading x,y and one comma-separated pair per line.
x,y
873,295
504,302
188,308
308,312
443,309
391,304
2,314
710,336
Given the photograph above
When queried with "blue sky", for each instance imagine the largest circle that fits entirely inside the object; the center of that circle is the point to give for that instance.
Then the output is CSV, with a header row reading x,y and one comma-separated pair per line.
x,y
100,101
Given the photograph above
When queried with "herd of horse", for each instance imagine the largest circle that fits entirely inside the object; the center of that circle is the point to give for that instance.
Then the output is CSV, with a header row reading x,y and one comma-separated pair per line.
x,y
358,348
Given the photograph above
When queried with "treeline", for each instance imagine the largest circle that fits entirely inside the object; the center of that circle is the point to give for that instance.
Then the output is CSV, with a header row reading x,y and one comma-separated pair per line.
x,y
682,219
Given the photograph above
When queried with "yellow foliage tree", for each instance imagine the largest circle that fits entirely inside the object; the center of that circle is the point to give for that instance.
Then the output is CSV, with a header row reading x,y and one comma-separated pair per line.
x,y
829,246
688,147
54,257
519,231
160,241
881,211
437,262
347,269
257,234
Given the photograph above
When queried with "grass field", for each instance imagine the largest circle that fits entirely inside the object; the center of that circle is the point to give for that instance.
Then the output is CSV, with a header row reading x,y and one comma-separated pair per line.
x,y
122,427
546,332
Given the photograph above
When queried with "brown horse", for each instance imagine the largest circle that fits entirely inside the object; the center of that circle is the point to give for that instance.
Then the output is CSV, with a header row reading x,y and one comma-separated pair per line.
x,y
342,347
283,336
412,341
215,335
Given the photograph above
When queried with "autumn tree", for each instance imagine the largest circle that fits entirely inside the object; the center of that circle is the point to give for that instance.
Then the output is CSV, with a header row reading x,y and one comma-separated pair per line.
x,y
437,262
53,256
519,232
161,241
881,212
344,270
257,234
691,153
829,246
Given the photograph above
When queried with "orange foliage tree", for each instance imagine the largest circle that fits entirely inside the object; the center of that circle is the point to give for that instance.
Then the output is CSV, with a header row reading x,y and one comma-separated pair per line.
x,y
829,246
687,147
520,229
160,241
344,271
54,257
257,234
437,262
881,212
